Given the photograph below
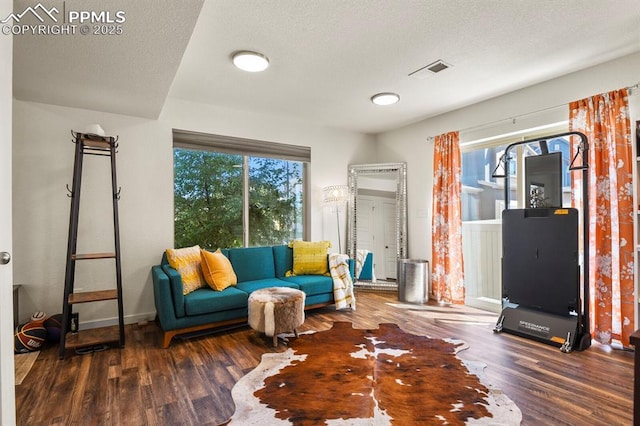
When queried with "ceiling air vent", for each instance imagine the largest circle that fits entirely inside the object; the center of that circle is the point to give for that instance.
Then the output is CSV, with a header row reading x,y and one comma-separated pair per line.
x,y
432,68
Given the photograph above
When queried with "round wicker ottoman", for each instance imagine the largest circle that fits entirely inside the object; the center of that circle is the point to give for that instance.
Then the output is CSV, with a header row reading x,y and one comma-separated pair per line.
x,y
276,310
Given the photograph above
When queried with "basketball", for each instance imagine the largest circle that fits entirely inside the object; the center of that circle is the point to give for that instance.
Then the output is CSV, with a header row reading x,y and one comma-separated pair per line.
x,y
53,324
29,337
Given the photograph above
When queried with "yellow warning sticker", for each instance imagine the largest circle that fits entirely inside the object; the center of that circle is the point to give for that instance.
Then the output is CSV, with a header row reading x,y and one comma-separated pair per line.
x,y
557,339
561,211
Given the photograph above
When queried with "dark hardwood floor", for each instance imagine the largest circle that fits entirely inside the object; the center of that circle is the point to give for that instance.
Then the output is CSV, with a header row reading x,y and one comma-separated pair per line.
x,y
190,383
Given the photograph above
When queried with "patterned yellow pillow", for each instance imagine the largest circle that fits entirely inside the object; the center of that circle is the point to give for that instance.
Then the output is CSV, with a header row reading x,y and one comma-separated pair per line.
x,y
217,270
187,262
310,258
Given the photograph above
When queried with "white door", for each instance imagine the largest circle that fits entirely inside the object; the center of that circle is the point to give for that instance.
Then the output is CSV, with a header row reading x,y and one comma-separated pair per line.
x,y
390,238
365,223
7,378
369,231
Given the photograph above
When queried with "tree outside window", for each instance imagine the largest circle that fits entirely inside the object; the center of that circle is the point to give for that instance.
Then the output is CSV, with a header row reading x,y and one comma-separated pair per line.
x,y
208,191
275,201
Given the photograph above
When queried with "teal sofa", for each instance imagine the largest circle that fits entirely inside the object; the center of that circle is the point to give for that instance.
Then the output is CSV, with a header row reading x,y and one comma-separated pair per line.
x,y
255,267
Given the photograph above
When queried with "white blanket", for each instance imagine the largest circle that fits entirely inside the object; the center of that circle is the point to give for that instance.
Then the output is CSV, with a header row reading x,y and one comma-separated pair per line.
x,y
342,282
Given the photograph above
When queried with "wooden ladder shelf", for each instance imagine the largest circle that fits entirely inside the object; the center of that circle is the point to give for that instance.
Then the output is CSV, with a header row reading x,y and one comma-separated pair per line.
x,y
88,144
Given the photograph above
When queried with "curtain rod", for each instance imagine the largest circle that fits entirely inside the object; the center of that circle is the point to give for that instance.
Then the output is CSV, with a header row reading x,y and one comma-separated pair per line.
x,y
516,117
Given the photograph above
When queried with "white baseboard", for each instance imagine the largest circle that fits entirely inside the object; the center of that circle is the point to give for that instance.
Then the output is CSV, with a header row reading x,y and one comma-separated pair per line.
x,y
128,319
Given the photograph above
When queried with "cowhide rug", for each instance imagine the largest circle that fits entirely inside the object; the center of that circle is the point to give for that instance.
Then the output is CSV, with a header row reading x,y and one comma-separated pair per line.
x,y
369,377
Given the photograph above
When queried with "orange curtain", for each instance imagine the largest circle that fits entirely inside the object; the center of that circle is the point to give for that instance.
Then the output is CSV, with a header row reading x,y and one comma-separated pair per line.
x,y
604,119
447,277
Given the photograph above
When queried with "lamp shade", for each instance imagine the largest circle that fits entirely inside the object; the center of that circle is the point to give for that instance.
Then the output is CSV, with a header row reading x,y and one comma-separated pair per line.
x,y
335,193
94,129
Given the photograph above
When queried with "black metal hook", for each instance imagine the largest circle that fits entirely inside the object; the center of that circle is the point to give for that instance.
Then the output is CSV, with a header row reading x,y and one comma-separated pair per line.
x,y
75,136
501,162
117,194
70,192
580,151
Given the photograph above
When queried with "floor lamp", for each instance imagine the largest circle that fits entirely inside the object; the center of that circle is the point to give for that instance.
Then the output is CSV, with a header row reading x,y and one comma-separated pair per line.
x,y
336,194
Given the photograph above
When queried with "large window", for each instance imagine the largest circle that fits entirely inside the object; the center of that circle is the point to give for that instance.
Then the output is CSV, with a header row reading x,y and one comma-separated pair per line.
x,y
226,197
207,199
483,194
483,202
275,201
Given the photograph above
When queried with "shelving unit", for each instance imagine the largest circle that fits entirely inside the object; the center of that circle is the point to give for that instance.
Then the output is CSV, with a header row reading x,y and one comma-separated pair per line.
x,y
88,144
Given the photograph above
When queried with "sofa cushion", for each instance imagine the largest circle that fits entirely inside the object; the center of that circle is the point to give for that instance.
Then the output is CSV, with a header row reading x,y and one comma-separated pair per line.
x,y
283,259
187,262
310,258
312,284
251,286
205,300
317,299
252,263
217,270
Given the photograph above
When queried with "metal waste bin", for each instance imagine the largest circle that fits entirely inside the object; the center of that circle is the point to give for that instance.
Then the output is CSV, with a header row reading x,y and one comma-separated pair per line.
x,y
413,280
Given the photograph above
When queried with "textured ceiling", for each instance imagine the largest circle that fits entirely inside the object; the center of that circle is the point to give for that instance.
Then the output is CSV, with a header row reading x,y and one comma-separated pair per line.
x,y
129,73
328,57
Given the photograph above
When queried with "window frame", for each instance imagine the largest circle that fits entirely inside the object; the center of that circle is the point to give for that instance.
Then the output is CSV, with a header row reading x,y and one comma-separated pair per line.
x,y
508,138
186,139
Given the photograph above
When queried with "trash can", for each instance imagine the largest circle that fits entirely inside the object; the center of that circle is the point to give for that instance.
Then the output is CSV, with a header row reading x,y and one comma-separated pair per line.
x,y
413,280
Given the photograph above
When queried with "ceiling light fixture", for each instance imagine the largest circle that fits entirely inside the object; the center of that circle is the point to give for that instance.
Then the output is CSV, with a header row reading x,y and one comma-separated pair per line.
x,y
386,98
250,61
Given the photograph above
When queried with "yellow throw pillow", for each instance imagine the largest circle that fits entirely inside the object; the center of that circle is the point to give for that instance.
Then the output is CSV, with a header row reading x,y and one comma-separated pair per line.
x,y
187,262
310,258
217,270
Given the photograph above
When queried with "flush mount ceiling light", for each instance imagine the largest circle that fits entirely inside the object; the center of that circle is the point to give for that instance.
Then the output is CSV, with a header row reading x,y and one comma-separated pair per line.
x,y
250,61
386,98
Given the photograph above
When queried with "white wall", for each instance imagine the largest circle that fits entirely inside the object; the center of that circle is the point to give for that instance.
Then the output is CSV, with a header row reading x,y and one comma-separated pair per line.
x,y
535,105
43,165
